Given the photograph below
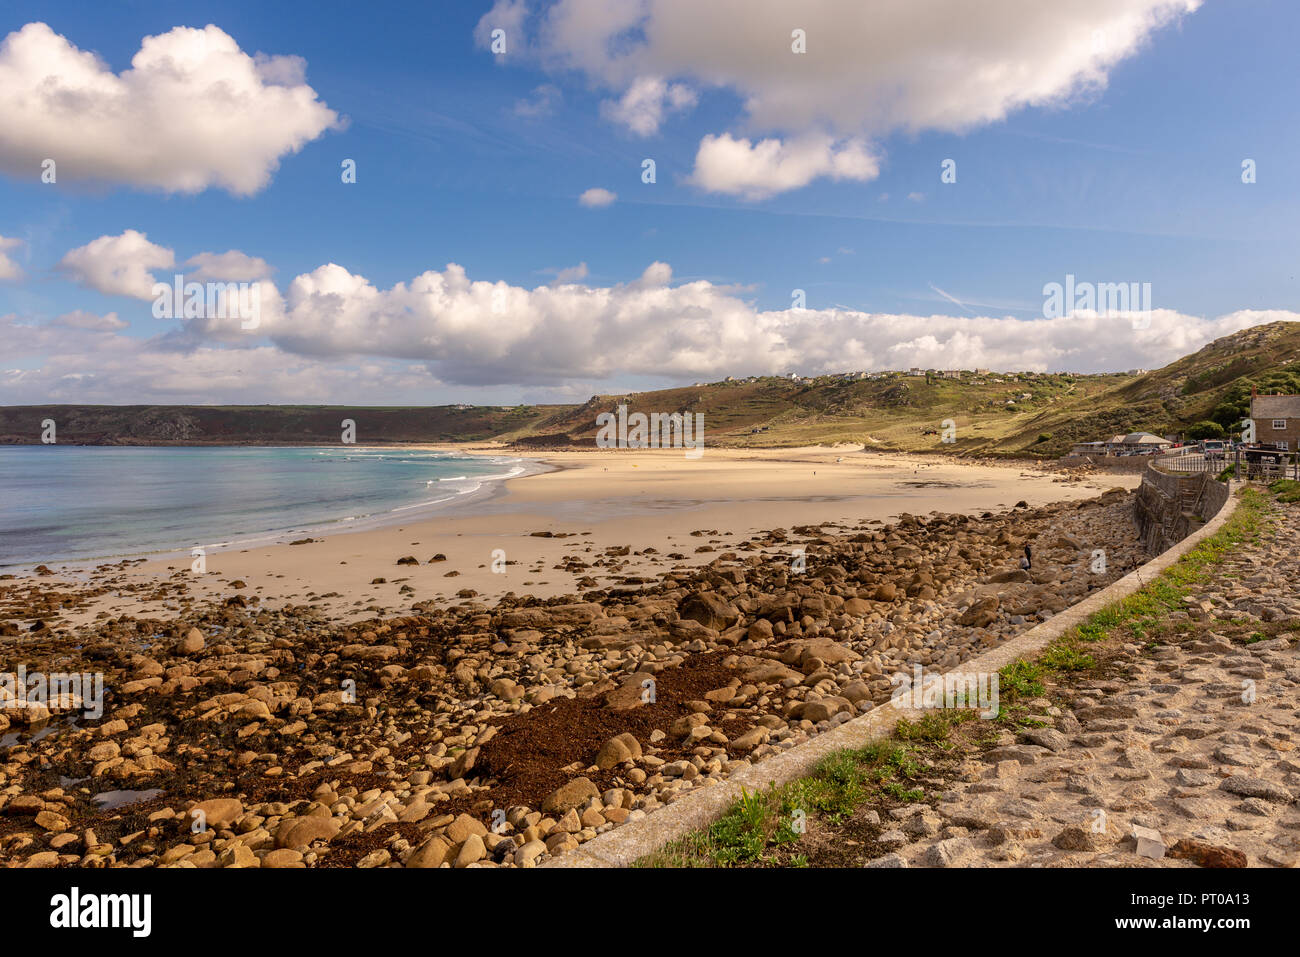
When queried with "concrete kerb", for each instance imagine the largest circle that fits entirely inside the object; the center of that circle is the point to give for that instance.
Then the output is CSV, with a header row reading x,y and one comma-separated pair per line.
x,y
625,844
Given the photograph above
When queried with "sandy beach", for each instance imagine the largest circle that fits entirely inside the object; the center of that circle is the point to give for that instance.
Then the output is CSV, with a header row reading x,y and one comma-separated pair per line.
x,y
544,532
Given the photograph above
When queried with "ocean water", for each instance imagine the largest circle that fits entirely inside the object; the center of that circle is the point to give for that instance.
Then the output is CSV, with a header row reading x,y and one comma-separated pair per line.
x,y
76,502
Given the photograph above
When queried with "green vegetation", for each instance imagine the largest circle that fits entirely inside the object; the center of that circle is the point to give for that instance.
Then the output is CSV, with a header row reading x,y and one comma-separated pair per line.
x,y
762,822
1205,429
1286,490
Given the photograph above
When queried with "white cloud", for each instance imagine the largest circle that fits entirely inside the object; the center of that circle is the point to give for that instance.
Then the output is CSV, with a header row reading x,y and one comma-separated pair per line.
x,y
725,164
232,265
508,16
571,274
118,265
597,197
480,333
541,103
336,337
10,271
193,111
124,368
870,68
89,321
642,107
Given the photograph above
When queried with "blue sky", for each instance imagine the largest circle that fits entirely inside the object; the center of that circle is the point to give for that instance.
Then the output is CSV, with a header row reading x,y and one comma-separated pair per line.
x,y
1139,181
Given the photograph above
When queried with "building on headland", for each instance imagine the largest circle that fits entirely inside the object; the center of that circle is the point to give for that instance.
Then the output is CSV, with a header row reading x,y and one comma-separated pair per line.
x,y
1139,443
1277,420
1135,443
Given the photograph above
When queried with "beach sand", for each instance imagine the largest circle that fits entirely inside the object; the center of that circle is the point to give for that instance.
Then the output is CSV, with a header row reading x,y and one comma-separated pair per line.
x,y
598,500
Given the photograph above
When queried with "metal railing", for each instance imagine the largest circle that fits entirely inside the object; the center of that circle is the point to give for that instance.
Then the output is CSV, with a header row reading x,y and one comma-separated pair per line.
x,y
1253,464
1191,460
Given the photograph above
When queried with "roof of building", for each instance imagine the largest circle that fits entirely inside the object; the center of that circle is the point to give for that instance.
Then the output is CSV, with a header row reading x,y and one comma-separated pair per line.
x,y
1275,407
1145,438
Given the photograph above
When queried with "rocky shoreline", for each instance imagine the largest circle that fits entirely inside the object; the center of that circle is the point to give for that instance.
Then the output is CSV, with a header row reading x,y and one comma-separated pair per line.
x,y
234,735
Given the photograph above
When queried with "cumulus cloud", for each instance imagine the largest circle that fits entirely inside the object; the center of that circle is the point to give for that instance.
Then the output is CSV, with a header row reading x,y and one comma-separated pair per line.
x,y
480,333
870,68
860,73
194,111
10,271
232,265
596,197
118,265
725,164
335,336
641,109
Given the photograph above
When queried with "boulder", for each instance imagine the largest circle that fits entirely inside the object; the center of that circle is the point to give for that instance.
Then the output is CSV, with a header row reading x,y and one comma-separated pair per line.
x,y
429,854
709,610
576,792
620,748
192,643
982,613
218,812
300,832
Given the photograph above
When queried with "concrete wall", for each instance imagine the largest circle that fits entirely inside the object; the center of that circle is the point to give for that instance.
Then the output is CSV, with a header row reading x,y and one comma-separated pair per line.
x,y
1131,464
1215,494
1159,511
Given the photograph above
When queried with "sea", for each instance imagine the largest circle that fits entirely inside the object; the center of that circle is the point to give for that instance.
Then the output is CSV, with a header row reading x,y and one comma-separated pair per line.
x,y
74,503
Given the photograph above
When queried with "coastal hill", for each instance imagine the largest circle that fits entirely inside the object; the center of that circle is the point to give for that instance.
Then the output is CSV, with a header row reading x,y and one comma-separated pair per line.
x,y
995,413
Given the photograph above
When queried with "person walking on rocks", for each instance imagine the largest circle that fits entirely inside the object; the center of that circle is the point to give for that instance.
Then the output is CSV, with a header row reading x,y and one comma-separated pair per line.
x,y
1027,562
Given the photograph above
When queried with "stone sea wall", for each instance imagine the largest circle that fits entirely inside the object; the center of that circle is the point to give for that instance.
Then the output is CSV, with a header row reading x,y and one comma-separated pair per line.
x,y
1169,507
